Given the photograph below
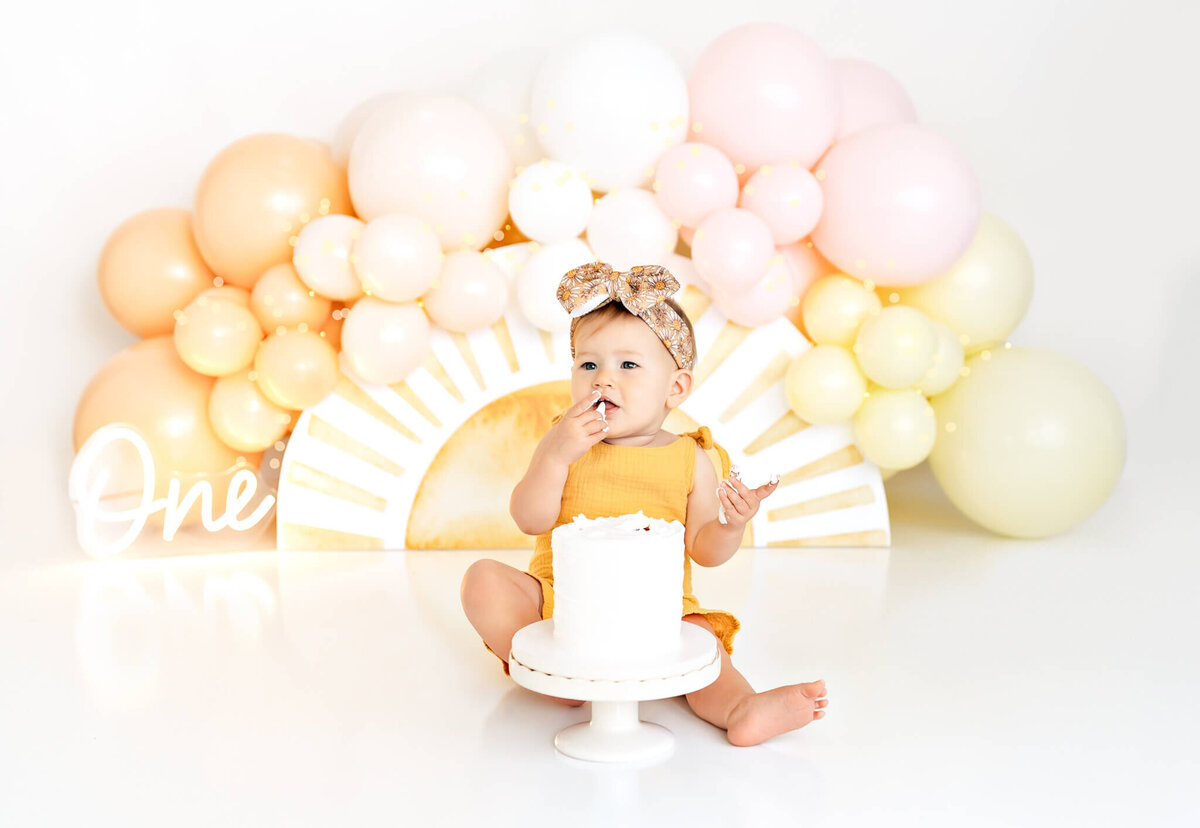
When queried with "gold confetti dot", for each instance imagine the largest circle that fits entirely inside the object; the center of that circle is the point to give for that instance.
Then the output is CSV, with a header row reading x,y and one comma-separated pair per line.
x,y
281,330
240,462
519,140
327,246
279,444
820,174
861,263
570,127
498,235
654,126
542,129
867,283
304,218
273,462
765,169
551,103
794,164
462,195
748,189
794,201
893,297
697,127
523,118
966,372
739,168
292,240
428,196
218,281
985,356
951,427
252,376
302,327
964,340
693,150
1007,346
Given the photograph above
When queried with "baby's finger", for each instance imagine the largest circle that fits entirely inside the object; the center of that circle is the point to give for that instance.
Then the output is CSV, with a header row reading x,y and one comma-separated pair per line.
x,y
766,488
735,498
584,404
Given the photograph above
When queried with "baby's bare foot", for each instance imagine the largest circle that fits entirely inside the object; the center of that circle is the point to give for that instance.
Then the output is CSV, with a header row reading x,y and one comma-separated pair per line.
x,y
763,715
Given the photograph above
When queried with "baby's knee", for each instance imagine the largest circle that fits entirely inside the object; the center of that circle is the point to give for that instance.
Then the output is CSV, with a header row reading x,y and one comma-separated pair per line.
x,y
482,579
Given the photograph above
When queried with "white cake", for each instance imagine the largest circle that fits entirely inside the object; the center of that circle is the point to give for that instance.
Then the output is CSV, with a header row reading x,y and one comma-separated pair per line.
x,y
618,587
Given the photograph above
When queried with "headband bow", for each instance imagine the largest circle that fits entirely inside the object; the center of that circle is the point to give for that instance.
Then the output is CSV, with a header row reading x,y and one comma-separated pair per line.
x,y
642,290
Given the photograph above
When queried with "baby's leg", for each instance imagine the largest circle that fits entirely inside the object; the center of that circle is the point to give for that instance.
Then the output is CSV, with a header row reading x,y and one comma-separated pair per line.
x,y
498,601
749,718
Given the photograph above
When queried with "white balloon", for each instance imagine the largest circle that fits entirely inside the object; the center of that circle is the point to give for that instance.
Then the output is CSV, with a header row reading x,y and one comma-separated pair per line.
x,y
537,283
397,257
435,157
610,104
628,228
383,342
322,256
501,89
348,129
550,202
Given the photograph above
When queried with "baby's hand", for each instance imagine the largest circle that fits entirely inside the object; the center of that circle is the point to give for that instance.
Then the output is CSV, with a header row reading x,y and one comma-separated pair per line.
x,y
580,428
739,502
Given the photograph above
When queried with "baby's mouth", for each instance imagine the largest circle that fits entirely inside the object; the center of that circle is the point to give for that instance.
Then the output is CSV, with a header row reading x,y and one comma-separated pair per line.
x,y
608,405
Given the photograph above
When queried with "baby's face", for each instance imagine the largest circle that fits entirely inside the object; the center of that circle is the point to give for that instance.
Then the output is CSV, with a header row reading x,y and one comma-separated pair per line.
x,y
632,369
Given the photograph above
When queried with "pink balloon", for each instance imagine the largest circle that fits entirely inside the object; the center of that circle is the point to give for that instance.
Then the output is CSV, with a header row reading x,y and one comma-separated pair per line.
x,y
692,180
731,248
870,96
762,93
787,197
765,301
470,293
901,205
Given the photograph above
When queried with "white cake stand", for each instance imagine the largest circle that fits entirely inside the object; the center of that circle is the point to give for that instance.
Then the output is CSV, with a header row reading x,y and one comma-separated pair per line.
x,y
615,733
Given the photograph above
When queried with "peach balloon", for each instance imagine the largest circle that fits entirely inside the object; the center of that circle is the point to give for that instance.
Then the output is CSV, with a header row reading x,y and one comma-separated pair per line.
x,y
787,197
296,369
397,257
731,249
280,298
869,96
383,342
435,157
242,416
765,300
228,293
216,337
764,92
471,292
149,268
254,197
322,257
901,205
149,387
693,180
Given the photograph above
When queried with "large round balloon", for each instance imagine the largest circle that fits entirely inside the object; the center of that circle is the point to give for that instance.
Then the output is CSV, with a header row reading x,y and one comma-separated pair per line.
x,y
870,96
901,204
764,93
148,387
149,268
984,296
436,157
256,195
1029,443
609,104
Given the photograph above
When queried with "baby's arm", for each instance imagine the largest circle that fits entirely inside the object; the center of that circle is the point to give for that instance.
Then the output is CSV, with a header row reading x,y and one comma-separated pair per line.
x,y
537,499
710,542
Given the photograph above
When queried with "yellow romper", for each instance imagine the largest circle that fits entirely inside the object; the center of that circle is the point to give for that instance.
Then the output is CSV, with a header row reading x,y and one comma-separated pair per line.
x,y
612,480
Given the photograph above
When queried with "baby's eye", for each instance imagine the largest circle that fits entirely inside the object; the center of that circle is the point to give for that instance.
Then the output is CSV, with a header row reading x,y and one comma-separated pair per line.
x,y
587,366
627,362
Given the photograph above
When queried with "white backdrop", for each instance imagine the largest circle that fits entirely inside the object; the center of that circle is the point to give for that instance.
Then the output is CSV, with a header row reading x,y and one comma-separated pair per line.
x,y
1079,118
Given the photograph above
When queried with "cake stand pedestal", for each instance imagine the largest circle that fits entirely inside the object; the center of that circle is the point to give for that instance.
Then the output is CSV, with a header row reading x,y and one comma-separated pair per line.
x,y
615,733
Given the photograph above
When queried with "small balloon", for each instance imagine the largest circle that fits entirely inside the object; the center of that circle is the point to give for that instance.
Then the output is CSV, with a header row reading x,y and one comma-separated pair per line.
x,y
895,429
765,301
397,257
824,385
216,337
895,347
947,362
693,180
296,369
834,309
787,197
627,228
550,201
731,249
537,283
471,293
281,298
322,257
242,416
384,342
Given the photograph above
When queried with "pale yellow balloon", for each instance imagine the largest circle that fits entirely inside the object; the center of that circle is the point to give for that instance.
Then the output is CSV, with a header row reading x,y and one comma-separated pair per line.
x,y
254,197
1030,442
834,308
895,429
242,416
824,385
895,346
216,337
984,296
947,362
296,369
149,268
280,298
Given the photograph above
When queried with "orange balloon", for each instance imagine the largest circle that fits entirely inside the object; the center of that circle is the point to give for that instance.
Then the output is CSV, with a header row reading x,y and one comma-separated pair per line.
x,y
280,298
243,418
296,369
216,337
149,268
148,386
254,197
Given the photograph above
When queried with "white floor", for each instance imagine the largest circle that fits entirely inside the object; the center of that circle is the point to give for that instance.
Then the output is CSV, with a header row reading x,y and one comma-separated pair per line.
x,y
973,681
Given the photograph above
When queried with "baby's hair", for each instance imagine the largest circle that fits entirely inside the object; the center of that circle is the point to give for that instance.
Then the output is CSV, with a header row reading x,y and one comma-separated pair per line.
x,y
612,310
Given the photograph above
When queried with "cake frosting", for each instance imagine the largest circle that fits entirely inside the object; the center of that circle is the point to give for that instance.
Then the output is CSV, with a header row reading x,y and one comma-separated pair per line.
x,y
618,587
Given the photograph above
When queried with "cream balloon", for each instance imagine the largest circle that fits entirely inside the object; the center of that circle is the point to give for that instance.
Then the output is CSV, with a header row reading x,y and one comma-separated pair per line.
x,y
1030,442
834,308
824,385
295,369
322,256
397,257
384,342
471,292
610,104
895,429
550,202
435,157
216,337
895,347
985,294
628,228
537,283
280,298
149,268
347,131
242,416
947,362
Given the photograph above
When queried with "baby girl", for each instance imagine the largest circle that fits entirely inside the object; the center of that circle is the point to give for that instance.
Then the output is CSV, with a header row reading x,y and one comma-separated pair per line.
x,y
634,357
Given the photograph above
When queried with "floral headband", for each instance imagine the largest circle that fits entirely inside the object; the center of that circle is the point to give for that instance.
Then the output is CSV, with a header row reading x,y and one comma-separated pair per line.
x,y
642,290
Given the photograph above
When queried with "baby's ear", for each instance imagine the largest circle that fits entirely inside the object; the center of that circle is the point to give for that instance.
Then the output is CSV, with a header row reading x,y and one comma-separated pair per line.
x,y
681,387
